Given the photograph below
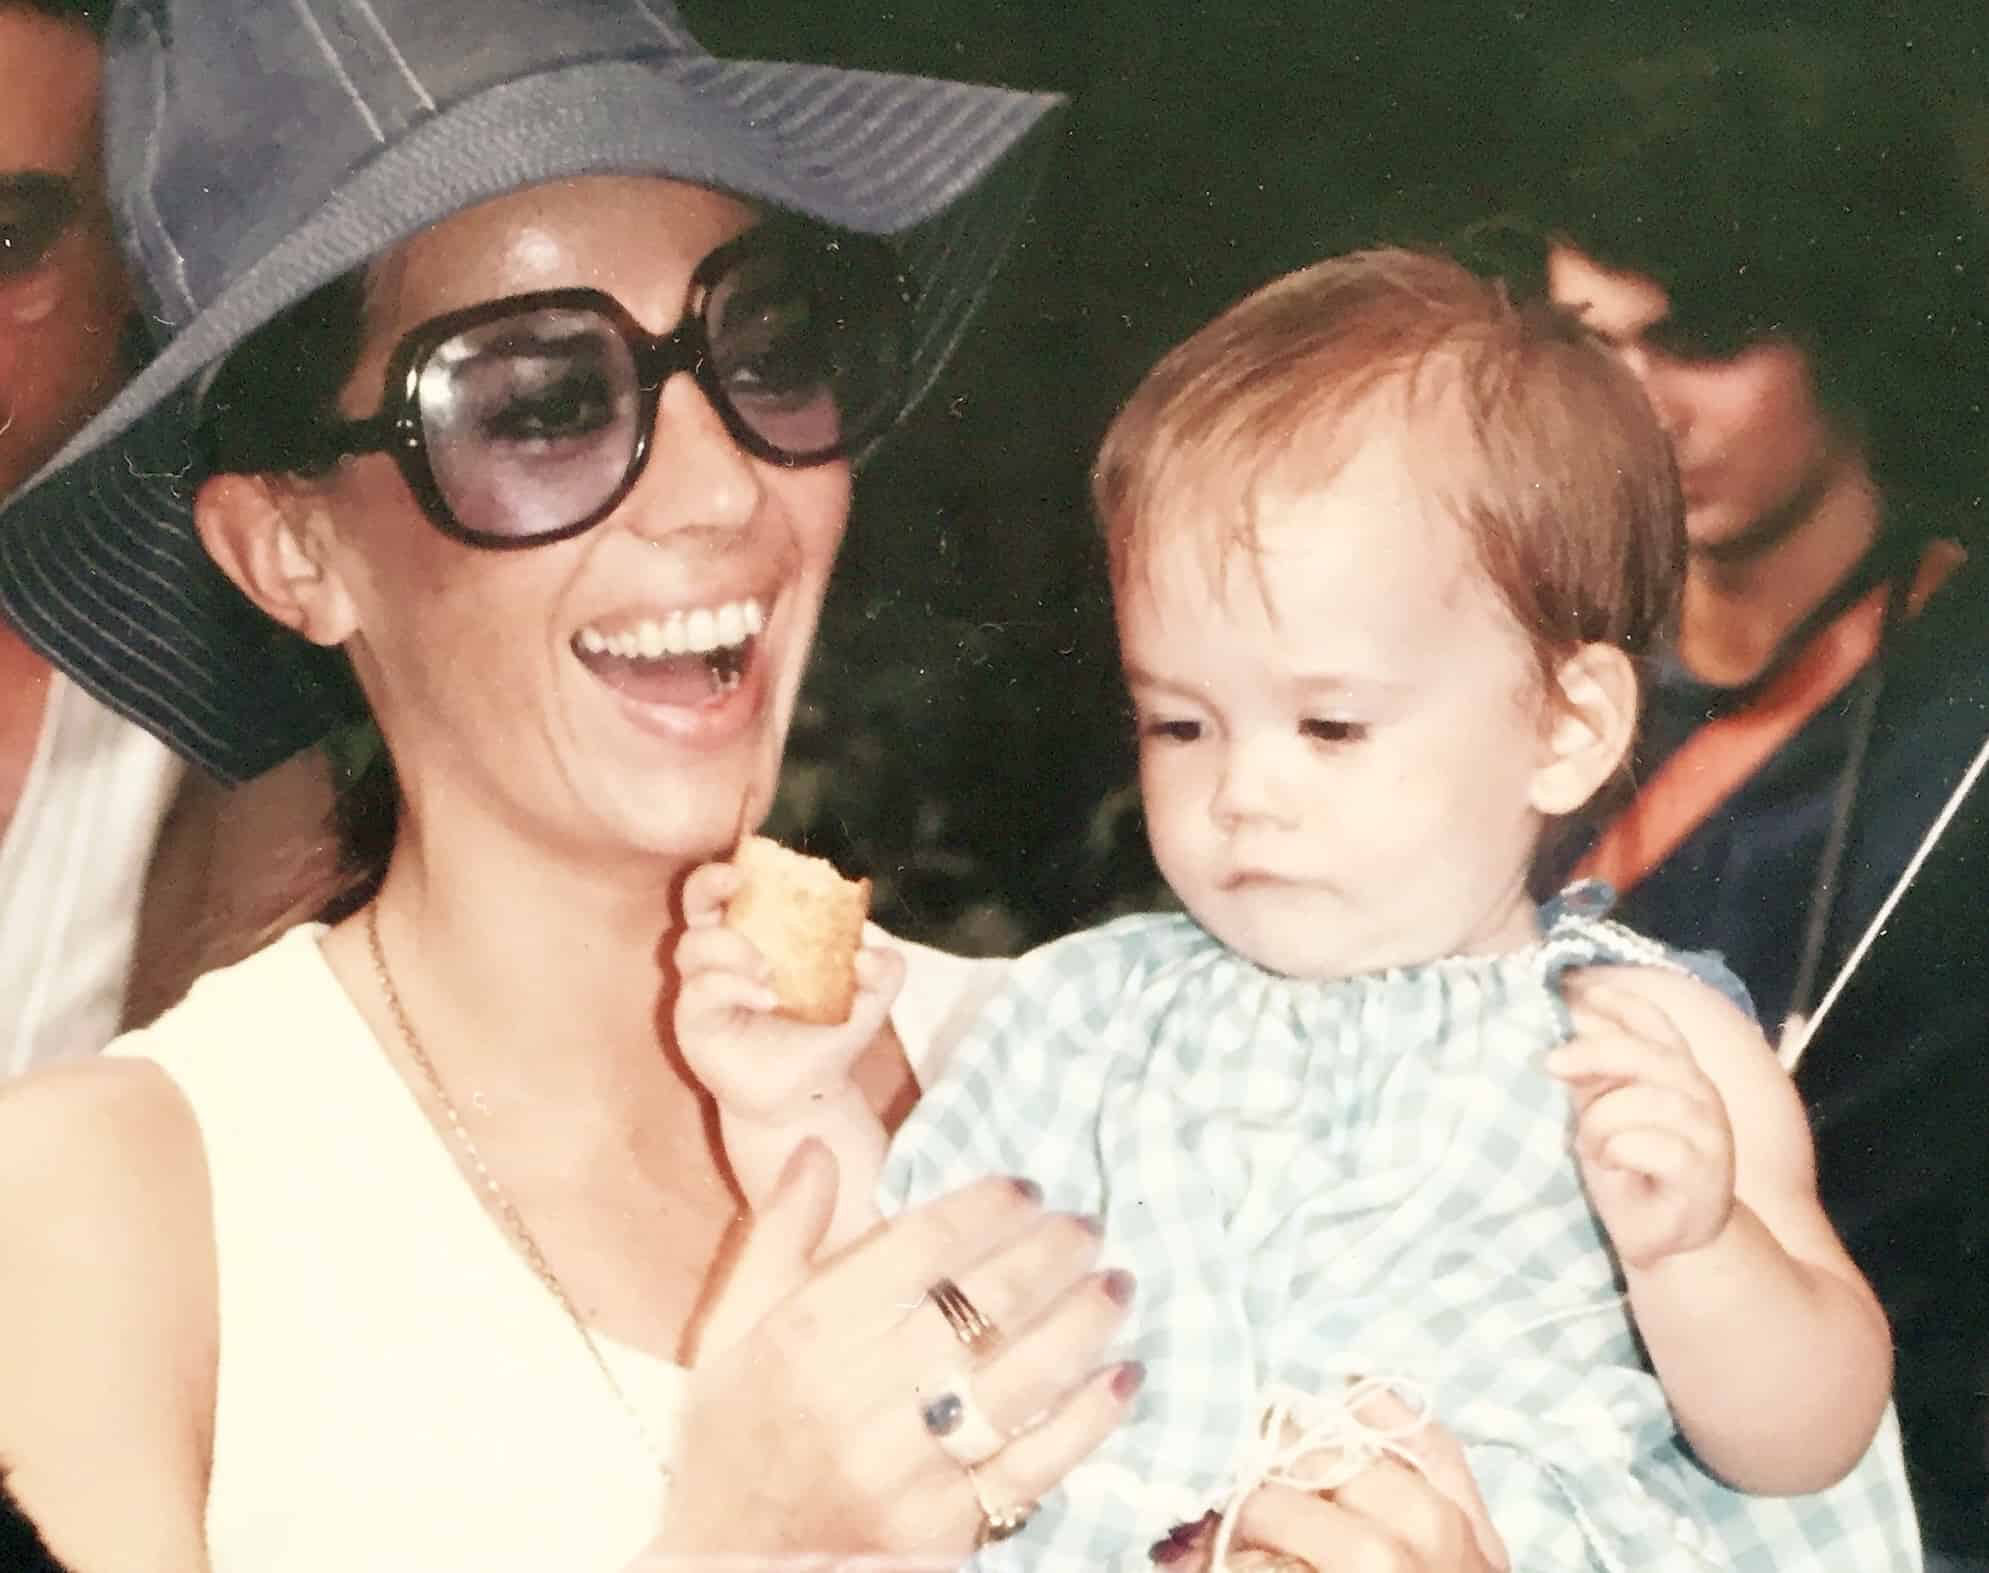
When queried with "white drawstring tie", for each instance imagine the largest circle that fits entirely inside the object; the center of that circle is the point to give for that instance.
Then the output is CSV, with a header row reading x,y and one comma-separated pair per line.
x,y
1319,1442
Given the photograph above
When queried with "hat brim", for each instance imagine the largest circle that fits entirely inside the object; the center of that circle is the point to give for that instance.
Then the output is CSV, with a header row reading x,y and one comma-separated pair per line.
x,y
100,567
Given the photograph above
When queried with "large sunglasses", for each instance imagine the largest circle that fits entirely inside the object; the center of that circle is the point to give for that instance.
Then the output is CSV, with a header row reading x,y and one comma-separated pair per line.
x,y
528,419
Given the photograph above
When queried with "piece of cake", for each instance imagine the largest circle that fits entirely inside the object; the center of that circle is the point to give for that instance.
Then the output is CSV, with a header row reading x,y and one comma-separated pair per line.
x,y
807,920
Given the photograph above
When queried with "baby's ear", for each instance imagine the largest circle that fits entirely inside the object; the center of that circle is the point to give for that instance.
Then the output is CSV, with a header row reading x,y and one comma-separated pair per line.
x,y
266,535
1591,719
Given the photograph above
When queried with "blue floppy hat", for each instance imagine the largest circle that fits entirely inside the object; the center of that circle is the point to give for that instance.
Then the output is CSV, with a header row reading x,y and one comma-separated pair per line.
x,y
255,153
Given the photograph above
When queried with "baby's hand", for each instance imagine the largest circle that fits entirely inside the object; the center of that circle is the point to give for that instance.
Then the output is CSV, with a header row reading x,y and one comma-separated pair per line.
x,y
764,1068
1651,1133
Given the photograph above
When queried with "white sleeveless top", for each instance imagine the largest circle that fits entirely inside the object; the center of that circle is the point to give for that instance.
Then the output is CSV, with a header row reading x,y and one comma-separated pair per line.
x,y
396,1388
72,876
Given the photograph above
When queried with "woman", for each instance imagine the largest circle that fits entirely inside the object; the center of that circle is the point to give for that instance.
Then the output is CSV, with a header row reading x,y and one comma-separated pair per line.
x,y
383,1248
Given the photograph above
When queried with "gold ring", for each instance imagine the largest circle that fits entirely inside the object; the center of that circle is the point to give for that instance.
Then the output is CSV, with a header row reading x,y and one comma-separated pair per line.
x,y
964,1317
998,1523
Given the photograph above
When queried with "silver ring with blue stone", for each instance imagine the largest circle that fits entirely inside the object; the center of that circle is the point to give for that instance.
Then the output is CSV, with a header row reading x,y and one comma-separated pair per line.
x,y
956,1421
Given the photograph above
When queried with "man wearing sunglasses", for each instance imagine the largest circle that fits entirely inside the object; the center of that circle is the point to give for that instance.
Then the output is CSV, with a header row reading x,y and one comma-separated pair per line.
x,y
118,870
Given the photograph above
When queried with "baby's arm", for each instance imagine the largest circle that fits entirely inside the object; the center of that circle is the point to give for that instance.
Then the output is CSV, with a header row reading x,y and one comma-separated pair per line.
x,y
1772,1349
778,1081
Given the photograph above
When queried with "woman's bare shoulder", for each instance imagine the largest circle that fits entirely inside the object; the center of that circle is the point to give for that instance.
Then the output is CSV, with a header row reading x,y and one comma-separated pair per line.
x,y
107,1325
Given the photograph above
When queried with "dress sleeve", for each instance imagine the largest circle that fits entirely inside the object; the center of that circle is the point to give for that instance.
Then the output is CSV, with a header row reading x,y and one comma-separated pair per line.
x,y
1580,933
943,996
1019,1094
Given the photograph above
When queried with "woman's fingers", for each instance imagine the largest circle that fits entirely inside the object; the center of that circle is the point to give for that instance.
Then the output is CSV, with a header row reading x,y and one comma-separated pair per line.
x,y
882,1279
1025,1377
838,1365
1033,1462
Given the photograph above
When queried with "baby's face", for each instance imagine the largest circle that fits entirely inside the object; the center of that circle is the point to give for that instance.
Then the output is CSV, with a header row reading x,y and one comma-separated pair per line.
x,y
1339,740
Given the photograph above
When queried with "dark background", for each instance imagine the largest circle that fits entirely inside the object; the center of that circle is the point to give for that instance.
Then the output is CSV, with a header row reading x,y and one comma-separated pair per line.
x,y
963,742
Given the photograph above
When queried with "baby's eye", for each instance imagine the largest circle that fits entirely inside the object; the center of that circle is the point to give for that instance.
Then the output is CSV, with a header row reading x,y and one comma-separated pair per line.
x,y
1171,731
1323,731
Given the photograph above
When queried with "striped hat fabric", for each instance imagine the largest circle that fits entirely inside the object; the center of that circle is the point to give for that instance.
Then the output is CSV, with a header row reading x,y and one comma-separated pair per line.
x,y
256,152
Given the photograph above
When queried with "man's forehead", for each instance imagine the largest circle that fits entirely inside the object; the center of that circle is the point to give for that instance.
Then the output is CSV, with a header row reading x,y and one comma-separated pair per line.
x,y
48,115
1616,304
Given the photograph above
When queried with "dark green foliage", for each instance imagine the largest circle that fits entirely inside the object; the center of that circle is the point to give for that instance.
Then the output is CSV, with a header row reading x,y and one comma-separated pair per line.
x,y
965,743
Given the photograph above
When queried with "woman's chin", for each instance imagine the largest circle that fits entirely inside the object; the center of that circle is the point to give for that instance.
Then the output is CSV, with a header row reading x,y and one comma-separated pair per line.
x,y
679,817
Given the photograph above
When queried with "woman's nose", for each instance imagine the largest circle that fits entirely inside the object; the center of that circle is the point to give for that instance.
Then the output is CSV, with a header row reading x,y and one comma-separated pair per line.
x,y
697,475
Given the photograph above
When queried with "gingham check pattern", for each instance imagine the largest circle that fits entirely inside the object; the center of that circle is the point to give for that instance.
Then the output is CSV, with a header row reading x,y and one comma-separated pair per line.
x,y
1367,1176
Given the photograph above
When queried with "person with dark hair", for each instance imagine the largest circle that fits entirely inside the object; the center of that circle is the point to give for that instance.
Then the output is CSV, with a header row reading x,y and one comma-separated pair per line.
x,y
119,869
514,357
82,790
1772,230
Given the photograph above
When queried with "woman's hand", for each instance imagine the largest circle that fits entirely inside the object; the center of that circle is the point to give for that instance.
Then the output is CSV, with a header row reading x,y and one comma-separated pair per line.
x,y
803,1430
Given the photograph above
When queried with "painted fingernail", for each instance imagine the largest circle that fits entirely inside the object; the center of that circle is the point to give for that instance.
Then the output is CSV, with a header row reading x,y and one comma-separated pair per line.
x,y
1090,1224
1192,1531
1127,1379
1118,1285
1030,1190
1165,1551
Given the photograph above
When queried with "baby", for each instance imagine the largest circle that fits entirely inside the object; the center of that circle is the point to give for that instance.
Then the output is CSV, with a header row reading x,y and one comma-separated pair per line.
x,y
1386,551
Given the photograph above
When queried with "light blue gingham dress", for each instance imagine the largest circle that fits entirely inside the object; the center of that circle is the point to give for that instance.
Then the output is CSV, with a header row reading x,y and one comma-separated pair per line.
x,y
1368,1176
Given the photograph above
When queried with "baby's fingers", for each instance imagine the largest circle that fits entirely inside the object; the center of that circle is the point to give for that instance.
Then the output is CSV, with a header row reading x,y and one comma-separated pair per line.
x,y
706,890
1654,1124
1597,1000
880,974
717,999
1605,1058
1661,1157
706,950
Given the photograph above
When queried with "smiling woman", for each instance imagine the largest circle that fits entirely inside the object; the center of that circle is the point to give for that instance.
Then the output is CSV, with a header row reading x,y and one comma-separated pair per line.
x,y
507,397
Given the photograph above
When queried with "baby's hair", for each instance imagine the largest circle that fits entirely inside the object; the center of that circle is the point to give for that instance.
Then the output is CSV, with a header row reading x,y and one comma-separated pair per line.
x,y
1523,430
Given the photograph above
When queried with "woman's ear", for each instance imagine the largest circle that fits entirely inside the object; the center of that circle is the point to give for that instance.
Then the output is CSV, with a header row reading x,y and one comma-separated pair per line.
x,y
265,536
1591,719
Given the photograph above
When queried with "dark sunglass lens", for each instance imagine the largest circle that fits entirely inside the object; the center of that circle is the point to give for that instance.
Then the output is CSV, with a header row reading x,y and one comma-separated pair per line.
x,y
530,421
805,346
34,210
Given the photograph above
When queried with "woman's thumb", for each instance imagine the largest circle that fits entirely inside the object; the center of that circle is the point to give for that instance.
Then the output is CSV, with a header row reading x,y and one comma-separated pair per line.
x,y
771,1256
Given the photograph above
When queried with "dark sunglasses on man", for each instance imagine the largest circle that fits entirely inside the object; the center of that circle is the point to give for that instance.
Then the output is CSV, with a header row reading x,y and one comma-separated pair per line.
x,y
527,419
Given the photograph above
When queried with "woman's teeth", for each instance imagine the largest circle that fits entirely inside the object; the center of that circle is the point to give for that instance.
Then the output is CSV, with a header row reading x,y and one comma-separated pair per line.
x,y
701,630
717,638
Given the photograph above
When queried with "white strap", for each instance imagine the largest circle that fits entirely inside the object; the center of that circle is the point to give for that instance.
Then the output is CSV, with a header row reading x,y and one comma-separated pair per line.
x,y
1798,1033
1317,1443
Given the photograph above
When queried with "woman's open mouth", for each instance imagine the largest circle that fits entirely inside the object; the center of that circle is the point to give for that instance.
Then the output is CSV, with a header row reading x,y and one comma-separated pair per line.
x,y
689,657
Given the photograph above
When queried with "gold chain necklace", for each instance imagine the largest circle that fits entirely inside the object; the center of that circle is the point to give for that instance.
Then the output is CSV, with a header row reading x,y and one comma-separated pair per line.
x,y
507,1211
